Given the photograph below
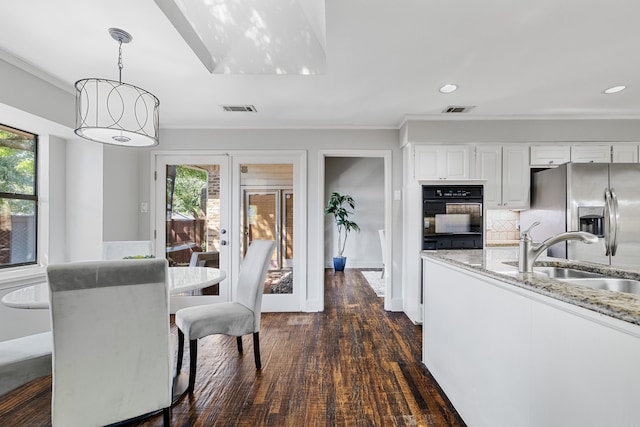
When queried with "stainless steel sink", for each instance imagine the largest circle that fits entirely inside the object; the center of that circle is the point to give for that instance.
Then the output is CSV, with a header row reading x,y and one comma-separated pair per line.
x,y
566,273
608,283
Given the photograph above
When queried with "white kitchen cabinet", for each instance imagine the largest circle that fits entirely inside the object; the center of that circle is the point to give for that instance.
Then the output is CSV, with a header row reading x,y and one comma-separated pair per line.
x,y
433,162
591,153
546,155
624,153
506,169
506,356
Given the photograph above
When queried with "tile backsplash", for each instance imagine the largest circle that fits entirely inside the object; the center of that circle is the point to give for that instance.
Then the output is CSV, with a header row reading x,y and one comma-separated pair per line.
x,y
502,225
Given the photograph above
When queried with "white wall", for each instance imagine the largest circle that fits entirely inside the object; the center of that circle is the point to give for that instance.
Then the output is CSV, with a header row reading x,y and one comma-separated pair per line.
x,y
56,199
120,197
84,200
514,131
32,95
363,179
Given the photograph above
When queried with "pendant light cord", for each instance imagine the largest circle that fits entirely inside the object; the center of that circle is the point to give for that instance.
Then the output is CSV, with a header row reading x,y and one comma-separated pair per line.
x,y
120,66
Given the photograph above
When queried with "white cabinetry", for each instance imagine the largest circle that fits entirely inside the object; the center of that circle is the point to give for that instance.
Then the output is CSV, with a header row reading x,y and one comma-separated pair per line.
x,y
434,162
545,155
624,154
506,356
591,153
506,169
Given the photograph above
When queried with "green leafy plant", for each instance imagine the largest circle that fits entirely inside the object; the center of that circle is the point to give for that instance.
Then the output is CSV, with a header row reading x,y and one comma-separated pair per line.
x,y
337,206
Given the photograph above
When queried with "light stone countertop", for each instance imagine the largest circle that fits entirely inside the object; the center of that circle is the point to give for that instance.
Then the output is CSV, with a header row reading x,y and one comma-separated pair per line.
x,y
501,264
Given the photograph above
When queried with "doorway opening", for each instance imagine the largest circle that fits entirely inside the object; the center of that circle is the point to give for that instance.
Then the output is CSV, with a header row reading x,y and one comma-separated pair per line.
x,y
352,174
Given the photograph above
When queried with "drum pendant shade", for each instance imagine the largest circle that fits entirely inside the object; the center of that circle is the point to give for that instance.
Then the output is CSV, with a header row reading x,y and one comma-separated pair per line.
x,y
117,113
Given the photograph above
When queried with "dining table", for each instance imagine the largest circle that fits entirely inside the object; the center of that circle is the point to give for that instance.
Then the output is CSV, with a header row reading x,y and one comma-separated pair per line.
x,y
181,279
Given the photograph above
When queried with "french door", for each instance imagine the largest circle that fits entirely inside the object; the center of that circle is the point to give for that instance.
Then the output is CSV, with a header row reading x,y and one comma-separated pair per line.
x,y
192,216
264,188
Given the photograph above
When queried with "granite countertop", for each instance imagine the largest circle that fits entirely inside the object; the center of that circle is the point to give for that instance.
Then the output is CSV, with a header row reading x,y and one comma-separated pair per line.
x,y
501,264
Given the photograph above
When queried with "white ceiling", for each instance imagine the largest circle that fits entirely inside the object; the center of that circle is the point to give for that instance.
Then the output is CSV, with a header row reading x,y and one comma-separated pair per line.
x,y
385,60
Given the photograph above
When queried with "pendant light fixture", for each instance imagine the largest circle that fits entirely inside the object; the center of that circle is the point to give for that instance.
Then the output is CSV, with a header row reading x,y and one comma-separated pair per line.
x,y
112,112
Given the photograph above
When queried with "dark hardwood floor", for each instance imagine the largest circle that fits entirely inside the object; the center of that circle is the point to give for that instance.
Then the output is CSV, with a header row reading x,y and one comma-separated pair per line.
x,y
352,365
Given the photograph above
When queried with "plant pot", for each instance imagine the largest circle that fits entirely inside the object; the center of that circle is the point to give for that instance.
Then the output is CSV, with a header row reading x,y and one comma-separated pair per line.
x,y
339,262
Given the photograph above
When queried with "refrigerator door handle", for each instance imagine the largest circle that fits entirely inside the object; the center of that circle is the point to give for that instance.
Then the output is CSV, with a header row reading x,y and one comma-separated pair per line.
x,y
608,221
616,222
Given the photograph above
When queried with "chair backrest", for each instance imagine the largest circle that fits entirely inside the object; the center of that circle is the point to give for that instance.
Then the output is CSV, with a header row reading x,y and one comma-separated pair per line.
x,y
121,249
253,273
112,357
205,259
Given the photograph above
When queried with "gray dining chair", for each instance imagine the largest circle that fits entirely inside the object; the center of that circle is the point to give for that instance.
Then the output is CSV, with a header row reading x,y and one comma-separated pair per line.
x,y
235,318
112,352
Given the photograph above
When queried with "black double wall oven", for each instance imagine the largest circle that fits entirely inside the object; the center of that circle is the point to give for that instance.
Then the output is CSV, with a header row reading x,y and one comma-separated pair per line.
x,y
452,217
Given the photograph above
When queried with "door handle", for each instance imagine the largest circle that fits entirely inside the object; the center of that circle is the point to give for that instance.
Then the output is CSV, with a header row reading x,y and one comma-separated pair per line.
x,y
223,243
616,222
608,221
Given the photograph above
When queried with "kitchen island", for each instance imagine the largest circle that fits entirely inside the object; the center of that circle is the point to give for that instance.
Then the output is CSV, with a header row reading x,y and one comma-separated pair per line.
x,y
512,349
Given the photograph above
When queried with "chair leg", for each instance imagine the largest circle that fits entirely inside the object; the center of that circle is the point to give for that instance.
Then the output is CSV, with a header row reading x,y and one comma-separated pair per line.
x,y
180,351
193,355
239,341
256,350
166,416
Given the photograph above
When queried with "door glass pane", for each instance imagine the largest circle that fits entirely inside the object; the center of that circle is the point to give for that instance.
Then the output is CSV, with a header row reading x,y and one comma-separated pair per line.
x,y
262,218
268,215
288,229
193,218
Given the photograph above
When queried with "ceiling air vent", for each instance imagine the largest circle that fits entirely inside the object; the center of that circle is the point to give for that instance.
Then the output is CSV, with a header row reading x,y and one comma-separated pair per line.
x,y
455,109
240,108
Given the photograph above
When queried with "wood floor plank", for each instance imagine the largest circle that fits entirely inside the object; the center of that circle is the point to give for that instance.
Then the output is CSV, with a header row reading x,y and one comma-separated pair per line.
x,y
352,365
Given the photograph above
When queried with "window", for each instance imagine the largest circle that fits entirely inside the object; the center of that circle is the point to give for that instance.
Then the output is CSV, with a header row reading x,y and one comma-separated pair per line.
x,y
18,197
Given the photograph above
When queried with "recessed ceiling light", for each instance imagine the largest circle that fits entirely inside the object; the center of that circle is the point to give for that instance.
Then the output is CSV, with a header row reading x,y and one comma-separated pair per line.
x,y
614,89
448,88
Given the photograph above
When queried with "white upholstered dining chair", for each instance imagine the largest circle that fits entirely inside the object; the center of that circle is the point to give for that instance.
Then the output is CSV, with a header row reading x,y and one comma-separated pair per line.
x,y
112,352
236,318
205,259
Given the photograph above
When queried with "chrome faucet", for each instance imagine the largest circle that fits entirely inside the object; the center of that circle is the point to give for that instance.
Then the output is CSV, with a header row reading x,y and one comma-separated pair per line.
x,y
530,251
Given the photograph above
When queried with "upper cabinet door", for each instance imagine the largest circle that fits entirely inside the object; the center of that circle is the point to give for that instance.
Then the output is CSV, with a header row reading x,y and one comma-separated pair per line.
x,y
489,167
506,171
624,153
591,153
516,177
456,162
426,163
550,155
434,162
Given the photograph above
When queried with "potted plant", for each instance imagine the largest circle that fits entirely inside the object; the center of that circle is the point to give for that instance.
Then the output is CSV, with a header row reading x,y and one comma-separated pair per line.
x,y
337,206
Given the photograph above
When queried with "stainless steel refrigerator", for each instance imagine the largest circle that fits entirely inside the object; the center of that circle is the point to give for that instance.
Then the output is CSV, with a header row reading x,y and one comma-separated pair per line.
x,y
601,198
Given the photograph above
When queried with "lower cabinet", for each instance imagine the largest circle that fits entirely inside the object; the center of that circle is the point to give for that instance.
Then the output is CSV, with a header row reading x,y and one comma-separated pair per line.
x,y
506,356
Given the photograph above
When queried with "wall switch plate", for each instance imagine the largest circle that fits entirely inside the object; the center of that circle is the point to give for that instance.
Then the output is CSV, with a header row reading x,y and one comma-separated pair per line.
x,y
397,195
144,207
